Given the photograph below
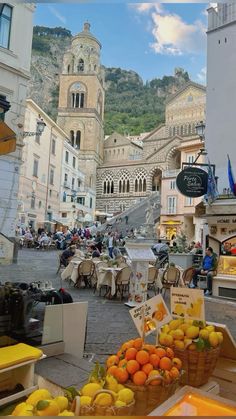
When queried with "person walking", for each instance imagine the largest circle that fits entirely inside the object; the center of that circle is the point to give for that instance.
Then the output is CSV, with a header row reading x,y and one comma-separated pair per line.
x,y
110,243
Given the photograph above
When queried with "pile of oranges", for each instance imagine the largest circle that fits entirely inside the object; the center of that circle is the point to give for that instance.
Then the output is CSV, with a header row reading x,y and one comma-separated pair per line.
x,y
138,362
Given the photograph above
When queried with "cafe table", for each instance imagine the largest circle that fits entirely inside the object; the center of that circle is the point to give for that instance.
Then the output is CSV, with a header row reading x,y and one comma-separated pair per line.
x,y
106,276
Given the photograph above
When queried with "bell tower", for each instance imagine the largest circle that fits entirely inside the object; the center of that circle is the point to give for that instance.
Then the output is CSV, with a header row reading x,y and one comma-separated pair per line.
x,y
81,102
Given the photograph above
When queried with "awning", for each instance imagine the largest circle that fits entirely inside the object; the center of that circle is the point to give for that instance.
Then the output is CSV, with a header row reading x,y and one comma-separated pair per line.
x,y
7,139
172,222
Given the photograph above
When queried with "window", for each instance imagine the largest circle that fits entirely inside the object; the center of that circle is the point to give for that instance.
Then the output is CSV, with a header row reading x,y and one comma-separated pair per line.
x,y
50,193
77,100
190,158
64,197
80,65
67,157
64,214
172,184
91,203
40,204
78,183
32,202
188,201
65,177
35,168
171,204
72,137
74,162
53,146
78,138
81,200
5,25
51,176
73,183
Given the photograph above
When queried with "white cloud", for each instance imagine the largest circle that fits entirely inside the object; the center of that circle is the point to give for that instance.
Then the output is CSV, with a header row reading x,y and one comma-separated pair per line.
x,y
57,14
202,75
146,7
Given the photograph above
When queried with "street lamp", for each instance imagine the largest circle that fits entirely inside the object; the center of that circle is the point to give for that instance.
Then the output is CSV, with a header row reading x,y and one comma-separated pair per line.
x,y
200,130
40,125
4,106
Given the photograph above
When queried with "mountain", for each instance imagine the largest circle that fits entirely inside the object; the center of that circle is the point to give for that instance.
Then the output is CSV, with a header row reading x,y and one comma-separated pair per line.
x,y
131,106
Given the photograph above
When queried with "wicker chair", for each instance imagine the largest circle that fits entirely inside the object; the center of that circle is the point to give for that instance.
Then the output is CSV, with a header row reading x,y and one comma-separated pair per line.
x,y
187,276
60,265
122,281
152,276
171,278
86,271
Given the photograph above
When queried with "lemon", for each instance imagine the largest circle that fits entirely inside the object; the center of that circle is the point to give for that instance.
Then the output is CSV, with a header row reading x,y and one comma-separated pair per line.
x,y
119,403
111,383
220,337
192,347
66,413
174,324
90,389
47,408
204,334
25,412
165,339
184,327
192,332
85,400
165,328
104,399
120,387
23,409
179,344
213,339
178,334
210,328
62,402
187,342
126,395
41,394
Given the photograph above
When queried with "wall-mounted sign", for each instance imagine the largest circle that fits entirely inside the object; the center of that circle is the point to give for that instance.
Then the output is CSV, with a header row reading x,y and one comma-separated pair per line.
x,y
192,182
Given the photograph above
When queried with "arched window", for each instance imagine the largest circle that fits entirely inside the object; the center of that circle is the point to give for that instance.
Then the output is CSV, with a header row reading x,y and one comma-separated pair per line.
x,y
124,183
72,137
181,130
108,184
80,65
140,183
78,139
77,92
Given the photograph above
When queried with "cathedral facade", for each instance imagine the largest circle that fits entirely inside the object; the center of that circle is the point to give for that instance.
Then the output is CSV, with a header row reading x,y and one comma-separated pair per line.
x,y
120,171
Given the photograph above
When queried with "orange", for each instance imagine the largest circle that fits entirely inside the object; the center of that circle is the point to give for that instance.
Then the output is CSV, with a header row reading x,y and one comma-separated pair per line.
x,y
121,375
138,343
160,352
139,378
112,370
132,366
149,348
174,372
177,363
157,381
142,357
147,368
120,354
112,360
122,363
165,363
154,360
131,353
127,345
170,353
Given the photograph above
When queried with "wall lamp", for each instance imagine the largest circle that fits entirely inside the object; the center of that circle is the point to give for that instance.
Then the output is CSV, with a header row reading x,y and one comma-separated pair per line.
x,y
40,125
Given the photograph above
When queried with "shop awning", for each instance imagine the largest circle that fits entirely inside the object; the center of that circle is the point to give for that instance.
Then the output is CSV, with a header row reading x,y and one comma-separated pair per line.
x,y
172,222
7,139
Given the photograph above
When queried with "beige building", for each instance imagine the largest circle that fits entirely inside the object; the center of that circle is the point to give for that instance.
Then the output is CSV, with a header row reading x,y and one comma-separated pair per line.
x,y
16,27
40,176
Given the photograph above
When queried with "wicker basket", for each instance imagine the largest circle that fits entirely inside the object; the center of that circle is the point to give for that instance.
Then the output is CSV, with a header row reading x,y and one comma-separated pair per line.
x,y
148,397
198,366
96,410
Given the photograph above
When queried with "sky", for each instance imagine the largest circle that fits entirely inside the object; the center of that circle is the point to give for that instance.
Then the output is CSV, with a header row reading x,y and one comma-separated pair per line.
x,y
148,38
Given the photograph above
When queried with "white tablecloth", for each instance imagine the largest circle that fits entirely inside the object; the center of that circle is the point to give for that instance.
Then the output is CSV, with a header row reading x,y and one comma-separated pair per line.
x,y
107,276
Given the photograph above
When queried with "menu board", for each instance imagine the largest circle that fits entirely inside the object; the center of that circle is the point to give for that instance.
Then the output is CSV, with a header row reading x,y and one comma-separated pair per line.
x,y
187,303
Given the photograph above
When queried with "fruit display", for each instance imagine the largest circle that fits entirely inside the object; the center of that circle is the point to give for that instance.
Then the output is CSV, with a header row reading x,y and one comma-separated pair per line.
x,y
151,372
196,344
41,403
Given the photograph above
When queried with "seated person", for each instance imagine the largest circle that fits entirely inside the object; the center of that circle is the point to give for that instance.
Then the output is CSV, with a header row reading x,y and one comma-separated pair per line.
x,y
94,251
161,247
67,255
209,265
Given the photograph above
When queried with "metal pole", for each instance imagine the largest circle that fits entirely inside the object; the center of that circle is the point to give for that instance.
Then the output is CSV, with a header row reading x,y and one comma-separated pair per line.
x,y
47,187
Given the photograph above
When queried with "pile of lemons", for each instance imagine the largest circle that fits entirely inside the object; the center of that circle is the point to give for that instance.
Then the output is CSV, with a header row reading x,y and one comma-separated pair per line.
x,y
117,395
191,334
41,403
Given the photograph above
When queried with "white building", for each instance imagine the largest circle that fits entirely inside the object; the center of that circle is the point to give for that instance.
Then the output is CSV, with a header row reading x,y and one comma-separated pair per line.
x,y
221,89
16,27
76,205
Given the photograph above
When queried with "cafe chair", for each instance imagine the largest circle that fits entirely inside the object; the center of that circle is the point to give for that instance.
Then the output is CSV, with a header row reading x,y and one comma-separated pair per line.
x,y
122,281
60,265
152,277
86,271
171,278
187,276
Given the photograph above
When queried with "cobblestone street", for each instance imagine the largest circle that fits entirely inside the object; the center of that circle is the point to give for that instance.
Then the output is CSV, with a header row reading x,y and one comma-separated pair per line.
x,y
109,322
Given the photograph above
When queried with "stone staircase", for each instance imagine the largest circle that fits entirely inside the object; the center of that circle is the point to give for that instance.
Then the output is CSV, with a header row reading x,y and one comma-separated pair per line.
x,y
136,215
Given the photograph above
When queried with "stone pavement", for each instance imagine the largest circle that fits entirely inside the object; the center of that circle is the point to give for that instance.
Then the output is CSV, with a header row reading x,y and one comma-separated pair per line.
x,y
109,323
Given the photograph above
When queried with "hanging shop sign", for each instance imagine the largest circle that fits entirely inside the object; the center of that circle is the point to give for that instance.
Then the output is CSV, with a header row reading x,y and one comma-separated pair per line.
x,y
192,182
